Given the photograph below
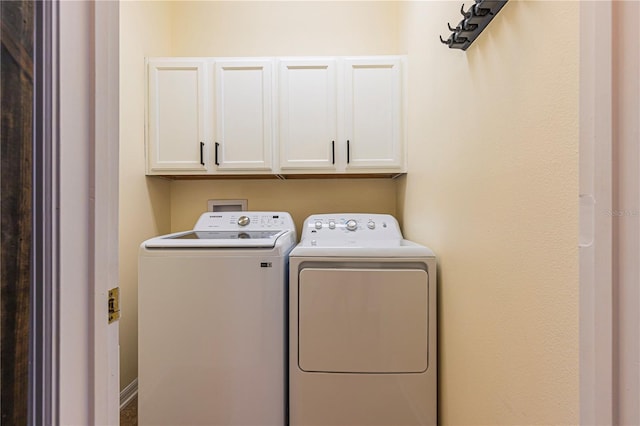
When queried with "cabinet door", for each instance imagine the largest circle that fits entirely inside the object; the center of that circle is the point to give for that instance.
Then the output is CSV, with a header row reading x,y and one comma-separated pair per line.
x,y
175,138
373,113
244,115
308,114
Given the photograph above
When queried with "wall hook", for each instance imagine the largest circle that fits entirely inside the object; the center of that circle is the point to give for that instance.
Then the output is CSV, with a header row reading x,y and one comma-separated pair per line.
x,y
476,19
477,10
458,39
463,13
466,26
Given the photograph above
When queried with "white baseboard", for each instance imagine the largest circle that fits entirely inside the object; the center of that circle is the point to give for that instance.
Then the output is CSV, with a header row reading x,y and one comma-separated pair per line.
x,y
127,394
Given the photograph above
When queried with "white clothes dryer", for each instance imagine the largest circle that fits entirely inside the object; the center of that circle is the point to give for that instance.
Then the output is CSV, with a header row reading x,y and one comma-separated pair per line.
x,y
212,322
362,325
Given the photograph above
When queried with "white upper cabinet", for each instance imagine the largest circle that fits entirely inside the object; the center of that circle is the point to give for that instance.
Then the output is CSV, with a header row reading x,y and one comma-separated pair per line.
x,y
175,116
341,115
373,113
243,125
308,114
276,116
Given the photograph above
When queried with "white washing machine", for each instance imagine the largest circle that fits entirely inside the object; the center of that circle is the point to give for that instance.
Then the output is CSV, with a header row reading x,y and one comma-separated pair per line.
x,y
362,324
212,322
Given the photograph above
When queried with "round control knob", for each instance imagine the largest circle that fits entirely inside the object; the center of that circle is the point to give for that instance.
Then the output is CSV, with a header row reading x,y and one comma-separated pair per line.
x,y
318,224
352,225
243,220
332,224
371,225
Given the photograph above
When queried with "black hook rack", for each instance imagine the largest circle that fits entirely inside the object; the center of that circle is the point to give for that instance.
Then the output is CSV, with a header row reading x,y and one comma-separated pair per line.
x,y
475,19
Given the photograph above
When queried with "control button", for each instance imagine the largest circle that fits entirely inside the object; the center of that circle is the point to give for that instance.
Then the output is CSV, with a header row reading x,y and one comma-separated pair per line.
x,y
371,225
318,224
332,224
352,225
314,242
243,221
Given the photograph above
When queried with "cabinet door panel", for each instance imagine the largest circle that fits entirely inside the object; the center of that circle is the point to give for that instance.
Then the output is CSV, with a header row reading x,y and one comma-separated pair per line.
x,y
175,116
244,114
373,113
308,113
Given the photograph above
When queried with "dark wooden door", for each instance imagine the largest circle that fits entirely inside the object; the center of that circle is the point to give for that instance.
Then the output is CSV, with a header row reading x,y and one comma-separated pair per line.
x,y
17,19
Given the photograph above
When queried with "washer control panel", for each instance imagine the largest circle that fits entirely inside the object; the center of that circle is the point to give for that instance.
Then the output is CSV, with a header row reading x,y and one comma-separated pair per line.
x,y
350,226
246,220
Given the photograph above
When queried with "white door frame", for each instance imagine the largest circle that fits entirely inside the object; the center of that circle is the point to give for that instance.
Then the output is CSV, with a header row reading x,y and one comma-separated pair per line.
x,y
609,212
626,213
85,137
88,197
596,298
105,210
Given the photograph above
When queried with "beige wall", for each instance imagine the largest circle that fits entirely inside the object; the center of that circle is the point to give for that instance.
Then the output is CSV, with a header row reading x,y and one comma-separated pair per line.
x,y
492,184
301,198
280,28
266,28
153,206
492,188
144,202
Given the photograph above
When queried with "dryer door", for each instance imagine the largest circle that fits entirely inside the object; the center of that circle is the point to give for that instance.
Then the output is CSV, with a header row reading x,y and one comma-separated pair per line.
x,y
363,320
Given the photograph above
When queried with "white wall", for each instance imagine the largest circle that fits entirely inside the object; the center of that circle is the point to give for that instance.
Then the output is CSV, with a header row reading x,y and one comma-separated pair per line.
x,y
144,202
492,187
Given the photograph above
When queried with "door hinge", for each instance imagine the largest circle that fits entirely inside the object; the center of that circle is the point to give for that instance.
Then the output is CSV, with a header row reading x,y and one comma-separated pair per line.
x,y
114,304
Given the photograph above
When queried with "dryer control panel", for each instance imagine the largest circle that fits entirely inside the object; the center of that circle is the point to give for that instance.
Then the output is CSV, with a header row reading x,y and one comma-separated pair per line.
x,y
350,226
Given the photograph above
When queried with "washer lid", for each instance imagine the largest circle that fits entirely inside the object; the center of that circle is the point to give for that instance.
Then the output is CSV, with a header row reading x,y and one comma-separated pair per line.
x,y
217,239
246,229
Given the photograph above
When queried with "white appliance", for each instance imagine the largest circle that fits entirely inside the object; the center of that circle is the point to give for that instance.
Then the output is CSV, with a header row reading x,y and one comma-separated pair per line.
x,y
212,322
362,324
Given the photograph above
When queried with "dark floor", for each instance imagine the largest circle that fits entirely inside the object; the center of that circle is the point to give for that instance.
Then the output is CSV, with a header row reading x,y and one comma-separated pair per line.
x,y
129,413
